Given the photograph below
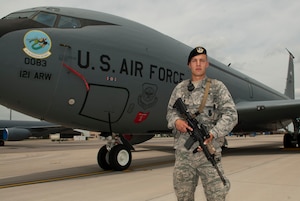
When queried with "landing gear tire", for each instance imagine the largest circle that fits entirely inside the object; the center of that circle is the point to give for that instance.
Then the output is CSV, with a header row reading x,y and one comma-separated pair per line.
x,y
120,157
2,143
103,158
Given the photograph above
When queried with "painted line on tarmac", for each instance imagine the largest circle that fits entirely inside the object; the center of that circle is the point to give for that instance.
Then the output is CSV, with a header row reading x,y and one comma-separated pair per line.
x,y
130,169
53,179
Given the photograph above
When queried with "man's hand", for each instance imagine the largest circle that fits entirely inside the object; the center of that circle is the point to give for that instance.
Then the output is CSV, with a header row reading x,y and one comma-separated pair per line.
x,y
207,142
182,126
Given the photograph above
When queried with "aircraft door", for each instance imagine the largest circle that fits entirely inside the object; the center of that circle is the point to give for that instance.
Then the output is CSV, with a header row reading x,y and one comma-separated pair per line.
x,y
105,103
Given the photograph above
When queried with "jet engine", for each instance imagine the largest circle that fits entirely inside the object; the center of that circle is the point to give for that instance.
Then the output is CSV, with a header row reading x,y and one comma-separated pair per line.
x,y
15,134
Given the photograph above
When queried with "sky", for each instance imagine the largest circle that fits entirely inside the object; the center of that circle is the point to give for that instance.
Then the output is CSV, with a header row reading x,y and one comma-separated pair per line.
x,y
251,35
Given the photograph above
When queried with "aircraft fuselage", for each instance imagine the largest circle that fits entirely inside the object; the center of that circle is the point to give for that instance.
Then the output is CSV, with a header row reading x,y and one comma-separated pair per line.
x,y
111,71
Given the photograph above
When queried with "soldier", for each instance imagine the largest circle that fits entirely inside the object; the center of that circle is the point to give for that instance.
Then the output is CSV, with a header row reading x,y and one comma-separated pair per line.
x,y
218,114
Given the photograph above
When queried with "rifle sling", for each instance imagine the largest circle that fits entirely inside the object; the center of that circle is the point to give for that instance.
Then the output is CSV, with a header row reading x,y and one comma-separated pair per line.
x,y
201,107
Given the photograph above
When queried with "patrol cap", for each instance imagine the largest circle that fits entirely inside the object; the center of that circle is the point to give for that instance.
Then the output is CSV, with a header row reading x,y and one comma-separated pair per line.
x,y
196,51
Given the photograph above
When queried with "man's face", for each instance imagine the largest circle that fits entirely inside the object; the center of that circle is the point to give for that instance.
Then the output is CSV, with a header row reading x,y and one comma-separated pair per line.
x,y
198,66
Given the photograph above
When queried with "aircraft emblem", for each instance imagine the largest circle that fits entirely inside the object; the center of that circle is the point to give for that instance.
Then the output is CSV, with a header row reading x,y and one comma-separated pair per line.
x,y
148,97
37,44
140,117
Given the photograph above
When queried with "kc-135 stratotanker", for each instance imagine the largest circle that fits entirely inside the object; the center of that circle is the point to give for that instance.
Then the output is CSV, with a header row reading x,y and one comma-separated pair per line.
x,y
95,71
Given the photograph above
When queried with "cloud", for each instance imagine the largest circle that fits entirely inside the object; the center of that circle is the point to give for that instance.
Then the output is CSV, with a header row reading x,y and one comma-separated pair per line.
x,y
252,35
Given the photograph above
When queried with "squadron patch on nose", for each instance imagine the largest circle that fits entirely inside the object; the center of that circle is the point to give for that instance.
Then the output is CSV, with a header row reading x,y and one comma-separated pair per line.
x,y
37,44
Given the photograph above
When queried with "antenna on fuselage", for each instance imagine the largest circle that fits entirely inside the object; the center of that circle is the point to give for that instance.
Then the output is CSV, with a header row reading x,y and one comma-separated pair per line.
x,y
290,80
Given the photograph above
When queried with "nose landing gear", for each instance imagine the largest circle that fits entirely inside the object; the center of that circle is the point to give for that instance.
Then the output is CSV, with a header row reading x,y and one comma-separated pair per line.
x,y
116,154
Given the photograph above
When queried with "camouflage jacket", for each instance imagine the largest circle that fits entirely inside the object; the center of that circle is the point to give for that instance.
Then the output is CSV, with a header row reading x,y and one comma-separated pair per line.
x,y
219,114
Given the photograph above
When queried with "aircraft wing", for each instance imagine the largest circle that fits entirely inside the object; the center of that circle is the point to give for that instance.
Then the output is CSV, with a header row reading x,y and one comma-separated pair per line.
x,y
13,130
275,113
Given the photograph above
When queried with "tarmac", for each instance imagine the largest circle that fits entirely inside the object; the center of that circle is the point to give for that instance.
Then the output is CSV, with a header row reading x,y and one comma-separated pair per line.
x,y
259,168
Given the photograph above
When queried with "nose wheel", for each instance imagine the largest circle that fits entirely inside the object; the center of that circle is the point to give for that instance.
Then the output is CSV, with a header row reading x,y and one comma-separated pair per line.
x,y
117,158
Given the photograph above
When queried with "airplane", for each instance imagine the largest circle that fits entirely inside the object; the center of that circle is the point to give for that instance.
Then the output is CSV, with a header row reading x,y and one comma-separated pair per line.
x,y
17,130
96,71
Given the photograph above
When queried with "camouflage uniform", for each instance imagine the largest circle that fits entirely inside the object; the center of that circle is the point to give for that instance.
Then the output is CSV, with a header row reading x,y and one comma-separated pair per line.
x,y
219,116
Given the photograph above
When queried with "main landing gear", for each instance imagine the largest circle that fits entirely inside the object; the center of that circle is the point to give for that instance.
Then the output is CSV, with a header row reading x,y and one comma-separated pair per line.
x,y
116,154
292,140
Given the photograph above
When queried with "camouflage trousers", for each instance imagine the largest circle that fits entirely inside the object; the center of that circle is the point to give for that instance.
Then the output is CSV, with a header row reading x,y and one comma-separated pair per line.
x,y
188,168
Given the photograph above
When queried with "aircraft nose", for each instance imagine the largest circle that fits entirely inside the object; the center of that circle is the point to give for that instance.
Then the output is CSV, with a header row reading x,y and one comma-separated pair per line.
x,y
7,26
10,25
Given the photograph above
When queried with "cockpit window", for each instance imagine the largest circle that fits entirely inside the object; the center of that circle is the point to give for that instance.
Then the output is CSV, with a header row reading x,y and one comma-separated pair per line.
x,y
68,22
55,20
45,18
20,15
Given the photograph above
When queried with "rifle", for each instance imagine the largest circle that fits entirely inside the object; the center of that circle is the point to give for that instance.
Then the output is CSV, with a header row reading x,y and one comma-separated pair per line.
x,y
199,134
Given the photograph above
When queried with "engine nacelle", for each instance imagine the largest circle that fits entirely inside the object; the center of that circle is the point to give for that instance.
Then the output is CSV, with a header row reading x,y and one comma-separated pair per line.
x,y
15,134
